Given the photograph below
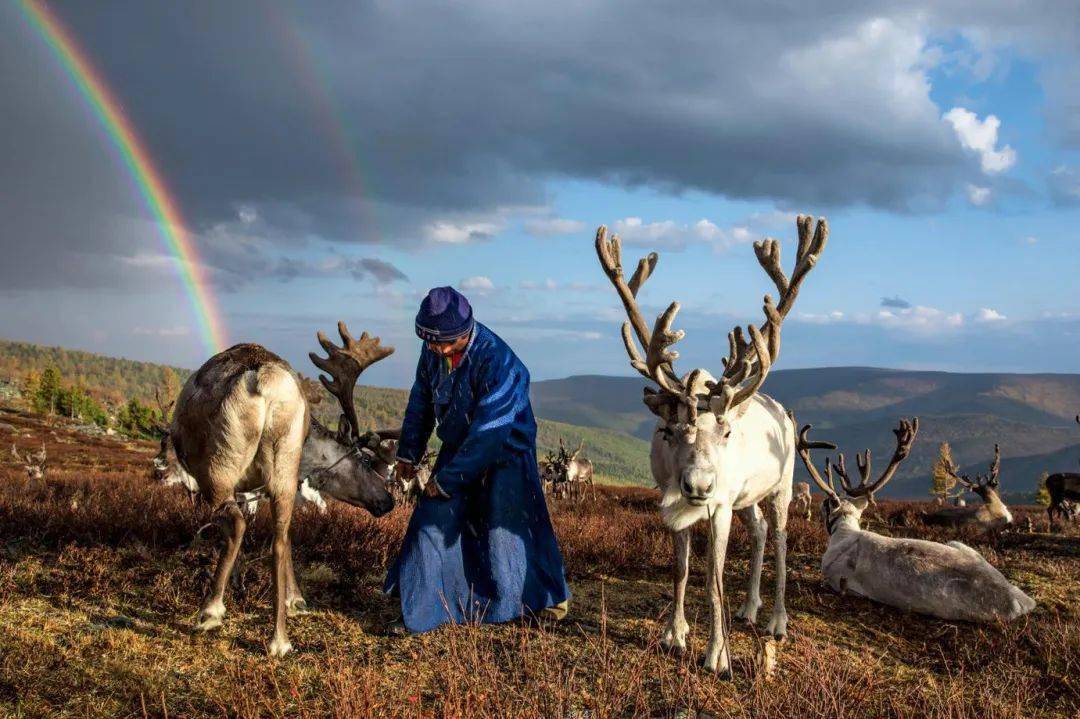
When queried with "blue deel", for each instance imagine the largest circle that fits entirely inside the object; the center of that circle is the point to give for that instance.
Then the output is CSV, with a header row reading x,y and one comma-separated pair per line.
x,y
488,553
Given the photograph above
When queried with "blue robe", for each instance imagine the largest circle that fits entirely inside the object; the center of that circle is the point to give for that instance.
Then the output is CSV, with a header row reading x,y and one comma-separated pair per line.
x,y
489,552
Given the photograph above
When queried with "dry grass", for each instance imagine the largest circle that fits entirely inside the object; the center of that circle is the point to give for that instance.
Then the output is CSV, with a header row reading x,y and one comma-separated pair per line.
x,y
101,575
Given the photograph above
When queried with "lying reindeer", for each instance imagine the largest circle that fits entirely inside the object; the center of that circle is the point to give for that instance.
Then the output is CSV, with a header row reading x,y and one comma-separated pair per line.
x,y
990,516
949,581
242,424
1064,490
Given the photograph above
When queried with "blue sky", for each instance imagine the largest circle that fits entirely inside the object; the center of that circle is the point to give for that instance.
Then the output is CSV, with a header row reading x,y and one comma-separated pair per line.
x,y
491,140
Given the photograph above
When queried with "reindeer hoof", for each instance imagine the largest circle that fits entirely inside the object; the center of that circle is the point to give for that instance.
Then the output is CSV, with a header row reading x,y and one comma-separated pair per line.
x,y
748,614
279,648
208,624
297,607
777,626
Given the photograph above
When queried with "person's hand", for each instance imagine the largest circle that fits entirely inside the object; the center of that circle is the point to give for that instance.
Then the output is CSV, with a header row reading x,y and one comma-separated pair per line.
x,y
405,471
432,490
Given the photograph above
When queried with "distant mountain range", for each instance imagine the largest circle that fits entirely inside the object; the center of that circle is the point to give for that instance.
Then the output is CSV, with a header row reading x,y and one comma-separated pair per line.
x,y
1031,416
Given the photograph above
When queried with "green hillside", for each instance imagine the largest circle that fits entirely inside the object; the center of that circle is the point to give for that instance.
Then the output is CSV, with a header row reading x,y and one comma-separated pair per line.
x,y
618,458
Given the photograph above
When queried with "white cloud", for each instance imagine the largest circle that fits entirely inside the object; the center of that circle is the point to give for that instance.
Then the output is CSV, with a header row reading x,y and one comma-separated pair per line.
x,y
978,196
552,226
459,233
982,138
674,235
176,331
479,284
822,318
247,214
985,314
1031,240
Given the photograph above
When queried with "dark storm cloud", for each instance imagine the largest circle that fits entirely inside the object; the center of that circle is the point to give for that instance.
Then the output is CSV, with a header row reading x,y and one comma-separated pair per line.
x,y
895,302
334,119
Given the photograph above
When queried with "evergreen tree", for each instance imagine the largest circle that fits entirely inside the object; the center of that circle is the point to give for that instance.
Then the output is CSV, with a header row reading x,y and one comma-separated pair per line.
x,y
1042,496
48,390
941,481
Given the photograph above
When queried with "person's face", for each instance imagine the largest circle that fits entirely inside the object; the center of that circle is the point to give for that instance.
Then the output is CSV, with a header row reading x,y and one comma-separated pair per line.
x,y
448,348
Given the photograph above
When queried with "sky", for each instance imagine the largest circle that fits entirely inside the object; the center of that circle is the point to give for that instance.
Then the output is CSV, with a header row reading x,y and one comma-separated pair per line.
x,y
335,160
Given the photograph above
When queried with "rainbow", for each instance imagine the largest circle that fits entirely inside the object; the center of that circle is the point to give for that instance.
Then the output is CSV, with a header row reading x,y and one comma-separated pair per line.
x,y
133,153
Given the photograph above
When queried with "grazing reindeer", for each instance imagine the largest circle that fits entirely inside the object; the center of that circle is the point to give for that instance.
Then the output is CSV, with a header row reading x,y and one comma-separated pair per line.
x,y
242,424
990,516
35,464
573,474
720,446
950,581
1064,490
802,500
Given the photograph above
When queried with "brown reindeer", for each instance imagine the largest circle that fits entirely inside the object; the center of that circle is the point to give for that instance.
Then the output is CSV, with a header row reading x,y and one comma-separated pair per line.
x,y
1064,490
989,516
35,464
242,425
802,500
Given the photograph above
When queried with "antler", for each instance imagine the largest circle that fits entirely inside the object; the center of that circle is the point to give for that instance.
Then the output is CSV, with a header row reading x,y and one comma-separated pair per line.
x,y
344,364
749,360
803,447
905,437
981,480
657,363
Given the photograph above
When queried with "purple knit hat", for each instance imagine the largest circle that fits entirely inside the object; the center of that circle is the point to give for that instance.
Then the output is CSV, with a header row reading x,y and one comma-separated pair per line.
x,y
444,316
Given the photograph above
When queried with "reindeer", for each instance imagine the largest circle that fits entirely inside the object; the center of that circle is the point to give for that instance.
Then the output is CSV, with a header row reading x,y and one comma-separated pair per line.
x,y
720,446
412,488
242,424
35,464
990,516
573,474
802,500
1064,490
949,581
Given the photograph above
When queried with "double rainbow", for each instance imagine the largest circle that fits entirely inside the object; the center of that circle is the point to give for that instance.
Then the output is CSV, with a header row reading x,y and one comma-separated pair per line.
x,y
133,153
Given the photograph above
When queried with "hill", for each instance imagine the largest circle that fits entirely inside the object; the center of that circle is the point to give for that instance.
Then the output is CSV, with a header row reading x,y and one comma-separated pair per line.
x,y
618,457
1031,416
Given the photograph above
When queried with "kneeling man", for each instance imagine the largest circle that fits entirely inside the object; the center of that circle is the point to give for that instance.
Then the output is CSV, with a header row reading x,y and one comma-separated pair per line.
x,y
479,546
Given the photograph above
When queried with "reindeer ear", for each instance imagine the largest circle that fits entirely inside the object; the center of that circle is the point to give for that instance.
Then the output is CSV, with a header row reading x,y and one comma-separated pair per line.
x,y
662,404
344,431
860,503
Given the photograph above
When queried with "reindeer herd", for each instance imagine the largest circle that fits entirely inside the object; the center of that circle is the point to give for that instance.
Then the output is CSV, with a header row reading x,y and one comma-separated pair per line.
x,y
242,431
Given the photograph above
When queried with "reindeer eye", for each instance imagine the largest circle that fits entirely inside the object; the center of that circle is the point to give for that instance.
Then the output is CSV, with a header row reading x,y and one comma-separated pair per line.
x,y
727,434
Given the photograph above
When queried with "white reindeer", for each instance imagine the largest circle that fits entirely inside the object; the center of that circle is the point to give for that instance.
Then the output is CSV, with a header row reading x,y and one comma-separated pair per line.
x,y
720,446
242,425
950,581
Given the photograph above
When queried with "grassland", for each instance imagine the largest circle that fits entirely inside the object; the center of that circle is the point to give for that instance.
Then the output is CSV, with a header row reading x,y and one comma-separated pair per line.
x,y
101,574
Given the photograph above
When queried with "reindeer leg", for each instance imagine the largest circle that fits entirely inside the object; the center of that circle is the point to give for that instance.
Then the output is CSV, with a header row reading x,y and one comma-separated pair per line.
x,y
716,654
214,607
674,637
777,518
294,598
758,528
282,506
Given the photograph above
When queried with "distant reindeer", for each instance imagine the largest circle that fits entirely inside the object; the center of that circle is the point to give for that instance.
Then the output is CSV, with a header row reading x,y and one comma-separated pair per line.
x,y
412,488
720,446
242,424
549,473
574,474
1064,490
949,581
35,464
802,500
990,516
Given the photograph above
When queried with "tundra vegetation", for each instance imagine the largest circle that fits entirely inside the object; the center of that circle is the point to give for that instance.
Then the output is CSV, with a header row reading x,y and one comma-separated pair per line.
x,y
97,596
